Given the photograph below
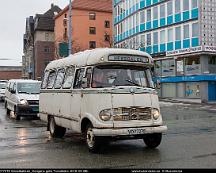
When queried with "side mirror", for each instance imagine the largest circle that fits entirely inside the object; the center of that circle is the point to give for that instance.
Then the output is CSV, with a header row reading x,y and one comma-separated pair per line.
x,y
152,69
158,84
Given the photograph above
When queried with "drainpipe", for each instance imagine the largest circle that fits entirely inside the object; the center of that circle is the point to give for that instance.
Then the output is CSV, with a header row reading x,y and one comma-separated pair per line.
x,y
70,28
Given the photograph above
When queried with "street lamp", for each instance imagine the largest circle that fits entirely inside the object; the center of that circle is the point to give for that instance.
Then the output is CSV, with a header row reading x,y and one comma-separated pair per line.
x,y
70,28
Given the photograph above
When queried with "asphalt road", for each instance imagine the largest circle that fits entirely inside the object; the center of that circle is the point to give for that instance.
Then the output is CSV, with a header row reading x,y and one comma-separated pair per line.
x,y
190,142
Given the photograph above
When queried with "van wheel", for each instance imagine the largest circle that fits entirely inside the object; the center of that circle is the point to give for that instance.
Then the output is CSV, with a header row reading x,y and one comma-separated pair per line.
x,y
152,140
7,110
55,130
93,143
16,115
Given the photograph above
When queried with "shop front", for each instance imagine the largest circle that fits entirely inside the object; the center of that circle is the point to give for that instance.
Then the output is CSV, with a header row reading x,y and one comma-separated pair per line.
x,y
187,75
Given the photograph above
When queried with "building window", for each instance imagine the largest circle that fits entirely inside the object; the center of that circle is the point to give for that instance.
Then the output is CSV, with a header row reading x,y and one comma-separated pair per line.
x,y
47,36
212,64
106,37
177,6
194,3
148,15
149,39
155,12
92,16
195,30
178,33
92,44
185,5
162,37
162,10
107,24
168,67
169,8
170,35
142,41
92,30
46,49
192,65
186,31
155,38
142,17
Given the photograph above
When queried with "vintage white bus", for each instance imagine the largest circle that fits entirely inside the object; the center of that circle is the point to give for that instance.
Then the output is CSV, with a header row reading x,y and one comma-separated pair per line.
x,y
103,94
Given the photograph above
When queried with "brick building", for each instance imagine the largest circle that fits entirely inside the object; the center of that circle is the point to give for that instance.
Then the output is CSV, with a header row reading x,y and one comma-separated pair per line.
x,y
39,43
91,26
10,72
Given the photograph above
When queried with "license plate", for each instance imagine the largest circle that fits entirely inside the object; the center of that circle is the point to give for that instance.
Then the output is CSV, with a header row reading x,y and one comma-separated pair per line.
x,y
136,131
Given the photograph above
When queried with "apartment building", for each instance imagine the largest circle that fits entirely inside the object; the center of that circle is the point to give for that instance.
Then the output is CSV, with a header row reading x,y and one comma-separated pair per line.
x,y
38,43
181,37
91,26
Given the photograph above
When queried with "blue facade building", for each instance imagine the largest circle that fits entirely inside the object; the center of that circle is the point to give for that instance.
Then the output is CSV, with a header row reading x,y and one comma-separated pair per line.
x,y
181,37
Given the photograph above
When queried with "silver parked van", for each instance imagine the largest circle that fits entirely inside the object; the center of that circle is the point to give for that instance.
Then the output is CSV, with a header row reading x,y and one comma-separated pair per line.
x,y
3,84
22,97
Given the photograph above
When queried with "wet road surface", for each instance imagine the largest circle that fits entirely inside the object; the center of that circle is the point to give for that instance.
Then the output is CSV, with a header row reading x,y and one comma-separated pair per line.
x,y
190,142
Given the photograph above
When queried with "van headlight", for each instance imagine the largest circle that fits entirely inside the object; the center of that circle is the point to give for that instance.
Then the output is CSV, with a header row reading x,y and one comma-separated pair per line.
x,y
105,115
155,114
23,102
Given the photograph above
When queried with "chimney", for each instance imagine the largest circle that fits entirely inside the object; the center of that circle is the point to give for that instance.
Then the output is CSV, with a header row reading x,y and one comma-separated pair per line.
x,y
52,5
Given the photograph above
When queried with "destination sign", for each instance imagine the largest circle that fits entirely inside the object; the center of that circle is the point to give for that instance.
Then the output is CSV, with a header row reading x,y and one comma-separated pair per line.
x,y
128,58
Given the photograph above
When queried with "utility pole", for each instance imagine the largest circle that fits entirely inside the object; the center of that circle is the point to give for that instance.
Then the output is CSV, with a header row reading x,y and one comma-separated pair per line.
x,y
70,28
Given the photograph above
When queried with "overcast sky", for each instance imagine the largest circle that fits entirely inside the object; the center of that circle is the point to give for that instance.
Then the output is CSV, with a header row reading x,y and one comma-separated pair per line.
x,y
13,16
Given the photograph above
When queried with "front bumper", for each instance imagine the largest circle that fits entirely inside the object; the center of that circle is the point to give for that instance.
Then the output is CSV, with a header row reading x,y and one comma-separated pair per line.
x,y
27,110
129,131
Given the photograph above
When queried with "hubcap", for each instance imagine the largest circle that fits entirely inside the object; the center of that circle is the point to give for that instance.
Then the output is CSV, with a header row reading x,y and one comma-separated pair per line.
x,y
90,138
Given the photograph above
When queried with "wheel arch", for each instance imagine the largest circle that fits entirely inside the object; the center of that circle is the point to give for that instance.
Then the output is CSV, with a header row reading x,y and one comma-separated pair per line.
x,y
84,123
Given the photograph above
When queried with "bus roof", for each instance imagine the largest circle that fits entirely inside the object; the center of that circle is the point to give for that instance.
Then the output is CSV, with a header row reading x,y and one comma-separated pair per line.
x,y
90,57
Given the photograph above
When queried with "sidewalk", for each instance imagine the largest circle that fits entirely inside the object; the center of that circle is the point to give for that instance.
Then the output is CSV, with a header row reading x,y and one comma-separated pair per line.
x,y
182,100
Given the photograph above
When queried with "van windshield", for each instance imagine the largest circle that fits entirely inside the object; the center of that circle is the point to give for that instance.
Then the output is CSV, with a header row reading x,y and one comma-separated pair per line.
x,y
3,85
120,75
28,88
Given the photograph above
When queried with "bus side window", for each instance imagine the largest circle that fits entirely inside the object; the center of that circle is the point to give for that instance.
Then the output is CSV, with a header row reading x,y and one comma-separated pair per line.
x,y
51,79
45,80
78,78
86,81
69,78
59,79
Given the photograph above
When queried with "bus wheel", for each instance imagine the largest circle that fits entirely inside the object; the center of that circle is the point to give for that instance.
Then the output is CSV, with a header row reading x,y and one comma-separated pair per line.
x,y
152,140
55,130
93,143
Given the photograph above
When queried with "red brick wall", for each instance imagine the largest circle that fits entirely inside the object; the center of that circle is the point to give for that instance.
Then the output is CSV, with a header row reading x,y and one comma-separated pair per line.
x,y
41,57
6,75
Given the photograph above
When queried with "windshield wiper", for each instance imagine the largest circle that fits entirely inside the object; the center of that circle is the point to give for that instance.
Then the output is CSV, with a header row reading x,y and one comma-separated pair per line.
x,y
136,84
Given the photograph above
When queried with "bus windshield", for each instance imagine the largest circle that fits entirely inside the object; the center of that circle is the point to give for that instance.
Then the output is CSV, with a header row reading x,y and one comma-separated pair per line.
x,y
28,88
120,75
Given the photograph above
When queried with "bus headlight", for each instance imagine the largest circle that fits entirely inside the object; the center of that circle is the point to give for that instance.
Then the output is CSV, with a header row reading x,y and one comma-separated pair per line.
x,y
23,102
155,114
105,115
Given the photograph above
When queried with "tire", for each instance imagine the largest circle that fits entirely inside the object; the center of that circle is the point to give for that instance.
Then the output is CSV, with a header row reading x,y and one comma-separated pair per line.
x,y
152,140
17,116
93,143
7,110
55,130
